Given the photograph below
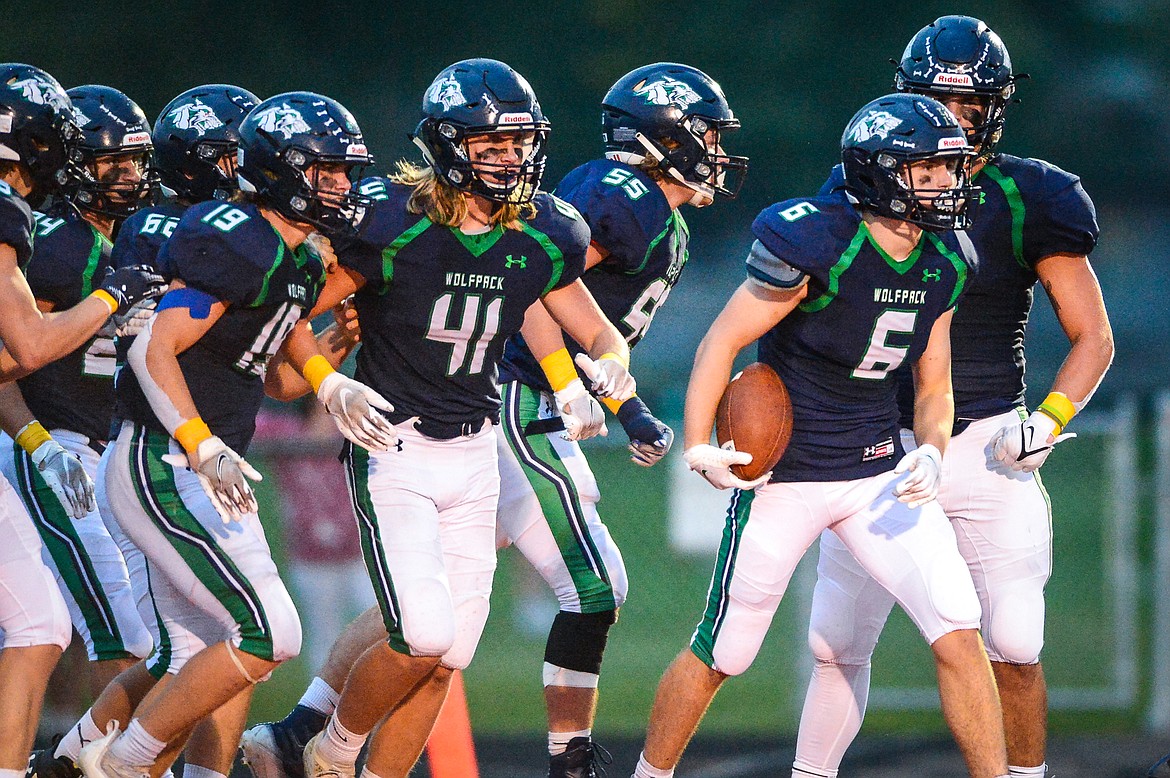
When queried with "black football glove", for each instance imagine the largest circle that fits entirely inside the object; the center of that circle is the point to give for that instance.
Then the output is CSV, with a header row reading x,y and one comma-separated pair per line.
x,y
128,285
650,439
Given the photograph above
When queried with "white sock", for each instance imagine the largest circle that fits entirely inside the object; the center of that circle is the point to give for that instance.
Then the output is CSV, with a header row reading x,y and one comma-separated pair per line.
x,y
1028,772
559,741
136,746
803,772
195,771
647,770
321,697
80,734
339,746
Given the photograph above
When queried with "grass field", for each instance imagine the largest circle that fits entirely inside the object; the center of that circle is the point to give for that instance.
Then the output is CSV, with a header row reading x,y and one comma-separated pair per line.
x,y
667,595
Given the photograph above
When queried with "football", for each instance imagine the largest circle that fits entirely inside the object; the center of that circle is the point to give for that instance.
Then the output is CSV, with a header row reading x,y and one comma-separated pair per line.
x,y
755,412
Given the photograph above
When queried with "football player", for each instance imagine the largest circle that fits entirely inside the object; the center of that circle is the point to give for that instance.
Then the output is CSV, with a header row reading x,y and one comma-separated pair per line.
x,y
244,275
663,126
73,397
842,293
195,140
36,126
1035,222
447,262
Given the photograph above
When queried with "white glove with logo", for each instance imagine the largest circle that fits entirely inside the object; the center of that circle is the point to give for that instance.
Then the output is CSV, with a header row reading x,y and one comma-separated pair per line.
x,y
714,464
354,408
1024,447
129,324
64,474
610,378
581,414
224,476
924,465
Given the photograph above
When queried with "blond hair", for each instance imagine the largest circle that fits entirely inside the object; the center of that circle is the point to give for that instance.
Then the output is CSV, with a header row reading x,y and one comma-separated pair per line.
x,y
444,204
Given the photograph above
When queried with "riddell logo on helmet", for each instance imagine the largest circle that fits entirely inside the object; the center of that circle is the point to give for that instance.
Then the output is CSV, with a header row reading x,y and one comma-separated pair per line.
x,y
515,118
952,143
954,79
356,150
135,138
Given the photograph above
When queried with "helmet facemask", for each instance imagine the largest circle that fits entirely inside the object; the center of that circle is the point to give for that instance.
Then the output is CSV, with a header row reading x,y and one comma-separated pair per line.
x,y
692,155
104,191
445,146
300,196
891,192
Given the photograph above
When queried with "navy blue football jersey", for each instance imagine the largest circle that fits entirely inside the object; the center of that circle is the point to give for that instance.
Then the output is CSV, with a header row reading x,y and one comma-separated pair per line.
x,y
232,253
16,224
865,319
1028,210
76,392
646,244
438,304
142,235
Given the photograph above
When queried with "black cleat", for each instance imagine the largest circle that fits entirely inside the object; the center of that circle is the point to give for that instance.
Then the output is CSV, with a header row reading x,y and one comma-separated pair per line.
x,y
42,764
276,749
581,759
1160,769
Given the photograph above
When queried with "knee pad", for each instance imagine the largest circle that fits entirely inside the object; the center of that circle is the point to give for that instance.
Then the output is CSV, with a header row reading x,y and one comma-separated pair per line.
x,y
1015,630
426,618
286,633
470,615
37,616
577,640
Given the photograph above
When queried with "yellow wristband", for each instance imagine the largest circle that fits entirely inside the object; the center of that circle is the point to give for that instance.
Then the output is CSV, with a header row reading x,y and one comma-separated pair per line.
x,y
558,369
32,435
316,370
613,404
106,298
191,433
625,361
1059,408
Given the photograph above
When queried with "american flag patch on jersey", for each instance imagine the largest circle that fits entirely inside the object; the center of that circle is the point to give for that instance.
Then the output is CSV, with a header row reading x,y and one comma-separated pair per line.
x,y
883,450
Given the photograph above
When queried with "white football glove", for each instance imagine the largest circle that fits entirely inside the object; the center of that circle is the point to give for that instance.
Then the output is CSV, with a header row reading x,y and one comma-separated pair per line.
x,y
1025,446
129,324
924,465
610,378
224,476
67,478
714,464
354,408
581,414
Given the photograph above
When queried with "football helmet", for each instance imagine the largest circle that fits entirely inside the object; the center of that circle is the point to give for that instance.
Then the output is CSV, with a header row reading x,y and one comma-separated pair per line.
x,y
482,97
889,133
112,125
192,136
960,55
36,122
282,138
665,111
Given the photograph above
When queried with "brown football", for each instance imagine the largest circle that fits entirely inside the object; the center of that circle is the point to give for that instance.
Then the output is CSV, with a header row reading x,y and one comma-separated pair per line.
x,y
756,413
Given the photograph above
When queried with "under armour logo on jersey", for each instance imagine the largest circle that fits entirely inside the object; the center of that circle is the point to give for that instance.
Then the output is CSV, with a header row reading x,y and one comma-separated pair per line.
x,y
521,263
874,124
448,92
195,116
283,119
667,91
931,275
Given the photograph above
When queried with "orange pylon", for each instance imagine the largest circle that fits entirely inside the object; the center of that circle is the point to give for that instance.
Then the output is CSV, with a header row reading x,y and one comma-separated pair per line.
x,y
450,749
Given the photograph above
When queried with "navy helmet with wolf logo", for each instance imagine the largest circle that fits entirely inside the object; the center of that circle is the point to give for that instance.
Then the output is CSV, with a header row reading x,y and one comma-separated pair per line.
x,y
961,55
663,112
884,137
197,130
281,140
36,121
480,97
112,125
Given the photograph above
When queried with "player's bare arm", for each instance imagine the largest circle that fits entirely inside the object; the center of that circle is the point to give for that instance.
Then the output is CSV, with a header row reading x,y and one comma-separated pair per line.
x,y
934,399
155,359
752,310
1076,298
575,311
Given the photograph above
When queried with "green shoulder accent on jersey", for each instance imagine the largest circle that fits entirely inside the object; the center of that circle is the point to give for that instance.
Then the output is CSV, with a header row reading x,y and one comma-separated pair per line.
x,y
550,248
957,261
100,241
846,259
653,244
280,247
565,207
478,244
1015,203
396,245
899,267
